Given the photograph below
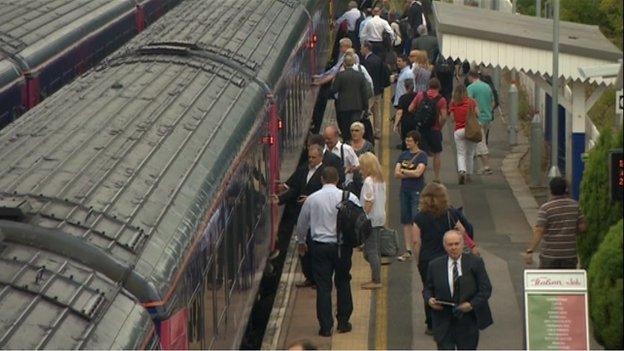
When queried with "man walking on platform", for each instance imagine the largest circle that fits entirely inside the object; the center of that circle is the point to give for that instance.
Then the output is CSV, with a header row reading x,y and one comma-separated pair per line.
x,y
351,17
374,33
482,93
430,111
559,222
426,42
353,94
345,152
329,258
457,290
379,73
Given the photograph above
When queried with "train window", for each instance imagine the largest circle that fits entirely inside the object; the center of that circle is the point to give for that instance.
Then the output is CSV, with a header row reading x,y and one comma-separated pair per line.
x,y
220,281
209,305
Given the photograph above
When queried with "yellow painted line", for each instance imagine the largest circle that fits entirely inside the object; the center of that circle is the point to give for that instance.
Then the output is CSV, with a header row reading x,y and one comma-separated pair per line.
x,y
381,317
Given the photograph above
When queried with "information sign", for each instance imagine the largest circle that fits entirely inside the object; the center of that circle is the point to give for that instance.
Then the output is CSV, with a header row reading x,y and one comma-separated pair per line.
x,y
556,310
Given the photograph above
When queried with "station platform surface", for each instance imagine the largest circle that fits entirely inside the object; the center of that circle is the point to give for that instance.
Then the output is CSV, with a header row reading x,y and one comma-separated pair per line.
x,y
393,317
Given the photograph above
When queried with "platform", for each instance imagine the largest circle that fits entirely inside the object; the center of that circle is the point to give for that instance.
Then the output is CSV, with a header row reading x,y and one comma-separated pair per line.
x,y
393,317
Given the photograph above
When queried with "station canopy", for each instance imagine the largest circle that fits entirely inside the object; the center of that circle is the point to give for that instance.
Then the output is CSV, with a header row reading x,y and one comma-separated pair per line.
x,y
512,41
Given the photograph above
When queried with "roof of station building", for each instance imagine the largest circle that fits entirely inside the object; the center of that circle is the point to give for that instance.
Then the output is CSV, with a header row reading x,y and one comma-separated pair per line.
x,y
514,41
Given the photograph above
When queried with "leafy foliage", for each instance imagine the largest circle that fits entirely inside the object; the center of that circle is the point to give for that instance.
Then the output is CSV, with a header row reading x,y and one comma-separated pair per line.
x,y
605,290
600,212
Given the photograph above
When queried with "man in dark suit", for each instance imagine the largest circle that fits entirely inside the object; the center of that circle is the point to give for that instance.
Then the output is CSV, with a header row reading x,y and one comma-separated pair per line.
x,y
303,182
352,89
380,76
329,158
458,289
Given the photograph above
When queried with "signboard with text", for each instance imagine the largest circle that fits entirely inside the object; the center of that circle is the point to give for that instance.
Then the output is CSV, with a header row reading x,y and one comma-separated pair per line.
x,y
556,309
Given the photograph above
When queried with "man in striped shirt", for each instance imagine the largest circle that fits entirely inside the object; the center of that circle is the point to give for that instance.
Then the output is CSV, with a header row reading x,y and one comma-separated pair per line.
x,y
559,221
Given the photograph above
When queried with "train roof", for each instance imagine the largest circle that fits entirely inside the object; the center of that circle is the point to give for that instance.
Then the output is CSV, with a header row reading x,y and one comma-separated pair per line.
x,y
36,30
49,301
128,158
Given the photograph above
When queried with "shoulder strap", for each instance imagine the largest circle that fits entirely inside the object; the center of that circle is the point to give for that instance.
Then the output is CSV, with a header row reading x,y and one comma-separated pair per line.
x,y
413,158
342,153
345,195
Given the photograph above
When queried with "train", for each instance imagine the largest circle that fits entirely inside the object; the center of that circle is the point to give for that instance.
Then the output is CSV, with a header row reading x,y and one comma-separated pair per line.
x,y
46,44
135,202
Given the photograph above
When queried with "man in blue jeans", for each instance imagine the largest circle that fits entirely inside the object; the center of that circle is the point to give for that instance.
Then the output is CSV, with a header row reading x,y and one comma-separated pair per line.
x,y
410,169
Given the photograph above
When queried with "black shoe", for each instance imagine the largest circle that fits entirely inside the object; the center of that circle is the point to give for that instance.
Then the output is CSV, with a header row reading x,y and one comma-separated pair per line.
x,y
306,284
344,327
325,333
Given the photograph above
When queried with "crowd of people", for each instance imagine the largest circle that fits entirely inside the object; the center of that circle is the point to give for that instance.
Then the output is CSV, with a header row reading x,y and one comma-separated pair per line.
x,y
379,48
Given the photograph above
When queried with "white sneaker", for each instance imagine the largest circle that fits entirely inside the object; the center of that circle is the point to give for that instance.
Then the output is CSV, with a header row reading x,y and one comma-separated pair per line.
x,y
405,257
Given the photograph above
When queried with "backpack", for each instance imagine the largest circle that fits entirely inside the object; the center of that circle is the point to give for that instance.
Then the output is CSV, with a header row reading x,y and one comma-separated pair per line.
x,y
427,112
352,222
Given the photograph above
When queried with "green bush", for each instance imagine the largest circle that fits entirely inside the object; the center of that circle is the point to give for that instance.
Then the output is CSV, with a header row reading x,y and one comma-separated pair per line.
x,y
605,290
600,212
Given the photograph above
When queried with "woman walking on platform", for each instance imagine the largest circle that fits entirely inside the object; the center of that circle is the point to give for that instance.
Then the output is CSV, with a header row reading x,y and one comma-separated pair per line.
x,y
373,198
435,217
410,169
461,107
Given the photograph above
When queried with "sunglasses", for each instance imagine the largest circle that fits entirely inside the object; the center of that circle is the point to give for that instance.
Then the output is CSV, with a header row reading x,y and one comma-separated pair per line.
x,y
356,130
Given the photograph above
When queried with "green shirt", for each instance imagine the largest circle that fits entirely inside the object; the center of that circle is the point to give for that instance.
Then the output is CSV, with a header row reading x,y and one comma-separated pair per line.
x,y
481,92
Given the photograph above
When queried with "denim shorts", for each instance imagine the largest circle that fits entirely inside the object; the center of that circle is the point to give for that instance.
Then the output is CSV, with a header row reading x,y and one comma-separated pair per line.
x,y
409,205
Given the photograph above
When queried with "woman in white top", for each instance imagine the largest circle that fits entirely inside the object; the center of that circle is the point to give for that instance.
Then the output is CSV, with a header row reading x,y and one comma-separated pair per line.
x,y
373,198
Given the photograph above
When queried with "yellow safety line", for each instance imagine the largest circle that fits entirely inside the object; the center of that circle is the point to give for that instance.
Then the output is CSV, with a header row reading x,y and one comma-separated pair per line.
x,y
381,331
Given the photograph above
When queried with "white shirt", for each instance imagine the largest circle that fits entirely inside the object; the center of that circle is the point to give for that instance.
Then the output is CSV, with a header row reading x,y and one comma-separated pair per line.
x,y
373,31
406,73
350,158
375,192
351,17
311,172
362,26
450,271
319,214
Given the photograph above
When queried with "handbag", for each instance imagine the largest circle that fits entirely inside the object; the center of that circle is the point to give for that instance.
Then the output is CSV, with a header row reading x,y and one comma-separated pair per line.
x,y
473,128
470,243
409,165
388,242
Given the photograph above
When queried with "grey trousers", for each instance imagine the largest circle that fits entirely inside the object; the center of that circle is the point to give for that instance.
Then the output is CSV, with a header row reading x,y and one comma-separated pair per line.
x,y
372,253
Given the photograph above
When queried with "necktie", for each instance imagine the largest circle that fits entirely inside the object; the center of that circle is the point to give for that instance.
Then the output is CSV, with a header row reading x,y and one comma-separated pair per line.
x,y
455,282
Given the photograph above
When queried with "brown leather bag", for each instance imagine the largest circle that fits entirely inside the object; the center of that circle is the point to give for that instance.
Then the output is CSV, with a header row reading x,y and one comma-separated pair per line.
x,y
473,128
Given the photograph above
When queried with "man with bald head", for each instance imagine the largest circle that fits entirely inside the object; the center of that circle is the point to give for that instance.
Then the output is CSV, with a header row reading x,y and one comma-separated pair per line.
x,y
345,152
457,290
374,32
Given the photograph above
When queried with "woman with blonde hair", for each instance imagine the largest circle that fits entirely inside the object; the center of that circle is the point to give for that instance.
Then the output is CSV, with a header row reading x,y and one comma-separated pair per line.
x,y
373,198
421,69
434,218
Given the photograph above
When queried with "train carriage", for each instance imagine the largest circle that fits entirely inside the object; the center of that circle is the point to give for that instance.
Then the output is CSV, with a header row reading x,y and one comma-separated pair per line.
x,y
46,44
162,160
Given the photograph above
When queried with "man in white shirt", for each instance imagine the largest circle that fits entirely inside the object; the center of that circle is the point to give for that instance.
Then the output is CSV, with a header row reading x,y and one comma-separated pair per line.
x,y
405,73
319,216
369,16
344,151
351,16
374,31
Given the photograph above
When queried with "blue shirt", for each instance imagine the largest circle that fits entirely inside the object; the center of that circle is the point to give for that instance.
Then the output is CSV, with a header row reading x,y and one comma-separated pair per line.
x,y
406,73
319,214
413,184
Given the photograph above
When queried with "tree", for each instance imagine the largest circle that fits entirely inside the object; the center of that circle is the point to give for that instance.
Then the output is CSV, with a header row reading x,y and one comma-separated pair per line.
x,y
600,212
605,290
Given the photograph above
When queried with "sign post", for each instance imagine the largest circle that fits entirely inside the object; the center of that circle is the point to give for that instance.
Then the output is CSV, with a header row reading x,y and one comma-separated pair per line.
x,y
555,309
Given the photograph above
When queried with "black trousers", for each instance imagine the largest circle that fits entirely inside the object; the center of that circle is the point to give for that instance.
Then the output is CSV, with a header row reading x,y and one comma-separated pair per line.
x,y
326,263
345,118
462,334
422,269
306,261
